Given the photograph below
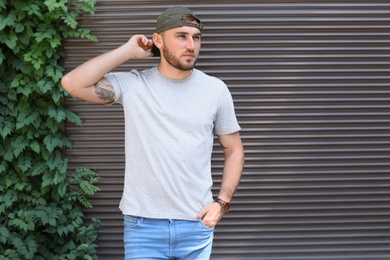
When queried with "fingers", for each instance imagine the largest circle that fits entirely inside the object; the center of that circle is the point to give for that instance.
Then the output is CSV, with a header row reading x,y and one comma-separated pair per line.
x,y
144,42
210,214
139,45
202,213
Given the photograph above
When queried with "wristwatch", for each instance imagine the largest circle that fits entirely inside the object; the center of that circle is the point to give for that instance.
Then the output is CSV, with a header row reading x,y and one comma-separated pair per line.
x,y
225,206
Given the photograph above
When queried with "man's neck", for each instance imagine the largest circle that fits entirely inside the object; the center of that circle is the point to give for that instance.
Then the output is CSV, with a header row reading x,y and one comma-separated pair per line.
x,y
173,73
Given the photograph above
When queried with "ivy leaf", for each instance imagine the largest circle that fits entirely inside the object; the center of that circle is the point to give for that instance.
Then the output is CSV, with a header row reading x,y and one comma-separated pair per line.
x,y
54,160
51,125
25,39
55,42
25,90
39,36
11,40
2,168
69,20
4,233
9,20
57,97
3,23
52,4
18,242
24,162
87,257
32,246
35,146
19,28
6,127
8,156
20,186
16,81
2,5
10,197
27,118
87,6
58,115
33,10
62,188
40,213
47,180
18,145
51,142
37,169
20,224
74,118
58,178
45,85
64,167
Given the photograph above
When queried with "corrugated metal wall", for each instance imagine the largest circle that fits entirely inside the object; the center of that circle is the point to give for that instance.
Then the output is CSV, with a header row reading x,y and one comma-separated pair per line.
x,y
311,85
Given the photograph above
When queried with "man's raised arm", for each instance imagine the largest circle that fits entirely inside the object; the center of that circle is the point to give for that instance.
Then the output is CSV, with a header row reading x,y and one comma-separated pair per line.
x,y
87,81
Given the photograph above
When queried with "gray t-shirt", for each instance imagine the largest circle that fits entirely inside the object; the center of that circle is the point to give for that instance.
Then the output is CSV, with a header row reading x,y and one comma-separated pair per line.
x,y
169,136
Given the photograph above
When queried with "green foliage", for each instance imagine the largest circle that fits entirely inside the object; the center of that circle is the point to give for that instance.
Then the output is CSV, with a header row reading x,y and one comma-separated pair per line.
x,y
84,179
41,209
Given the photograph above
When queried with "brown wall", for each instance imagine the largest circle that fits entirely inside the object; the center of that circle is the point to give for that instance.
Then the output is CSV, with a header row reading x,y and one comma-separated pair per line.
x,y
311,85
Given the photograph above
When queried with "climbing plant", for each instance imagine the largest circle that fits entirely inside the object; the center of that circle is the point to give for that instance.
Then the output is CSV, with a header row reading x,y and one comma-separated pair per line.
x,y
41,203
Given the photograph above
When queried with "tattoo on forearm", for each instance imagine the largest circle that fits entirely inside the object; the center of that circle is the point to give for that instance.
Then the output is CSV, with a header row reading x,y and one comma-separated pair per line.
x,y
104,91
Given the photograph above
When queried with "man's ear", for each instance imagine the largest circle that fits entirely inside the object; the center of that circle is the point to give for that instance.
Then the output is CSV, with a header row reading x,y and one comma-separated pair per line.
x,y
156,45
157,40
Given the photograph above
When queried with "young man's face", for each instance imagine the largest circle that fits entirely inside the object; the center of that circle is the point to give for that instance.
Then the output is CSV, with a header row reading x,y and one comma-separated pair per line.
x,y
181,47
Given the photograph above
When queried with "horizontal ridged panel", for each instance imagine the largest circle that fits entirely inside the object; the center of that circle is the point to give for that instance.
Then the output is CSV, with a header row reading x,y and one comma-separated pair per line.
x,y
311,85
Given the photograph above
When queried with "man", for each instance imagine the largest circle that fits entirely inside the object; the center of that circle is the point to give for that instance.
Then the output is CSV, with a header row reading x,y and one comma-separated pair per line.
x,y
172,112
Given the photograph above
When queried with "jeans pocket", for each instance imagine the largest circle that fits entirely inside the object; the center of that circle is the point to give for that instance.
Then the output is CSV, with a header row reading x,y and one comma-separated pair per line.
x,y
130,221
206,227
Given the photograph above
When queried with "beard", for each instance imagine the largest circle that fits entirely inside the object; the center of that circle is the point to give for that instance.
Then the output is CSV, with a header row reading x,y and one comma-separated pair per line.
x,y
175,62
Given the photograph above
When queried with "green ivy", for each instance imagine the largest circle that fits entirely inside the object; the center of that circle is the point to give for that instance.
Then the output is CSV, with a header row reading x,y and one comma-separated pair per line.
x,y
41,209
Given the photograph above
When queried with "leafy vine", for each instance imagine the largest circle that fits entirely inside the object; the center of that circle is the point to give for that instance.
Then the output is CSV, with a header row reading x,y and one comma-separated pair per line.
x,y
41,208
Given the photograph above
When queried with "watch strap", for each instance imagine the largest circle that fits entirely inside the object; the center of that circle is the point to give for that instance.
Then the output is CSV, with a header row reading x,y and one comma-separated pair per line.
x,y
225,206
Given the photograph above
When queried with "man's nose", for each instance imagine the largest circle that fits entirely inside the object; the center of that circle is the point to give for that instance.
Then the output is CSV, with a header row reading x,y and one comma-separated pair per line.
x,y
190,44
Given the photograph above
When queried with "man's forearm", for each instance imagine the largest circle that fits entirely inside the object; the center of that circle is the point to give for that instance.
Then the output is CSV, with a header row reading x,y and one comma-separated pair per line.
x,y
93,70
232,172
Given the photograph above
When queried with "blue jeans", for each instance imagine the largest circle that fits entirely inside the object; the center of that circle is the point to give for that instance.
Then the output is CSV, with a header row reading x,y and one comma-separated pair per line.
x,y
172,239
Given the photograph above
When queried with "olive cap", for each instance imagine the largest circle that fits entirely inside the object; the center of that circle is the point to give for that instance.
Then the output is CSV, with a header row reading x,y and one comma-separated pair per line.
x,y
172,18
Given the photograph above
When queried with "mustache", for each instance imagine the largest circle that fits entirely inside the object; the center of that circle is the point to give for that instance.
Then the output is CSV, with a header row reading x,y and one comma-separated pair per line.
x,y
189,53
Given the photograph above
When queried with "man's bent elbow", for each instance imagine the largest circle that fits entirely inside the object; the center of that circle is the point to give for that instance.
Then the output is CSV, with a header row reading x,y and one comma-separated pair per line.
x,y
66,83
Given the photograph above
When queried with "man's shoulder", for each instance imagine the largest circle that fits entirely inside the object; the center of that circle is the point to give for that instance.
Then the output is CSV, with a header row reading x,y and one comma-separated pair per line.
x,y
209,78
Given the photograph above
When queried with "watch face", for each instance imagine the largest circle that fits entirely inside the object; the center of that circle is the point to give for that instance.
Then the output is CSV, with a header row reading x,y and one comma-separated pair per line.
x,y
226,207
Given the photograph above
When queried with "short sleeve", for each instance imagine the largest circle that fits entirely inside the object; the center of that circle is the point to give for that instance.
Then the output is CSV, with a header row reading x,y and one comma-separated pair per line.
x,y
115,79
225,120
